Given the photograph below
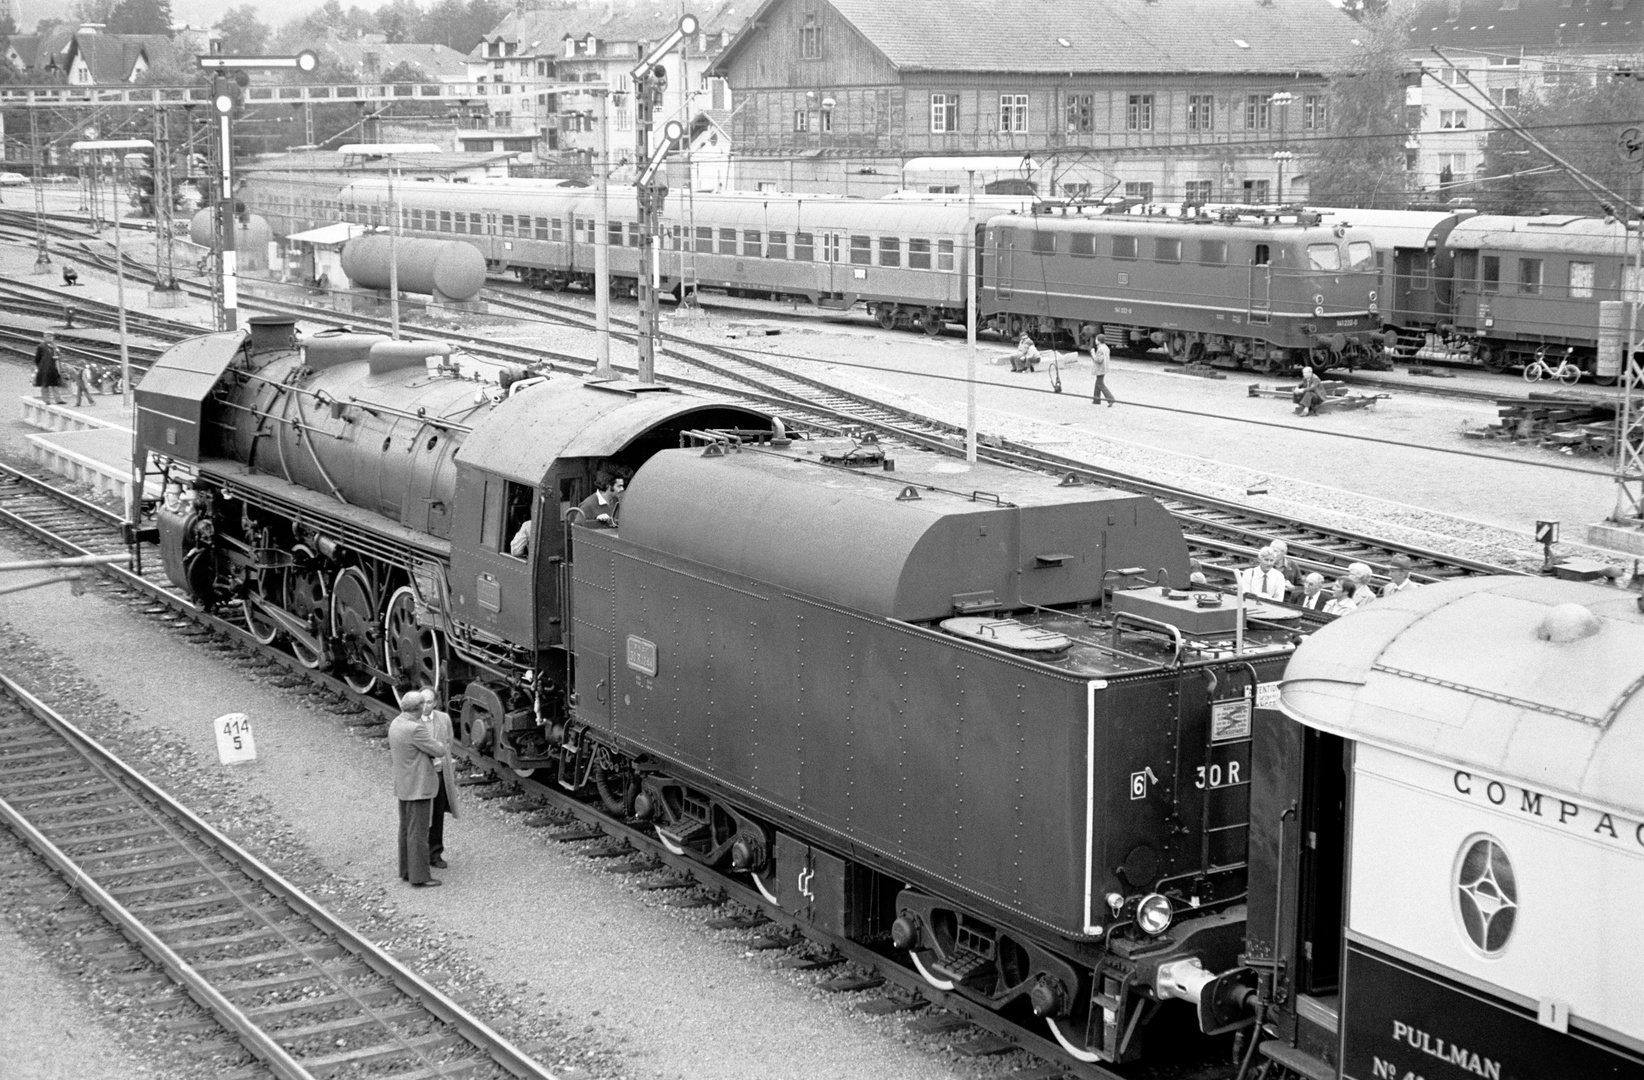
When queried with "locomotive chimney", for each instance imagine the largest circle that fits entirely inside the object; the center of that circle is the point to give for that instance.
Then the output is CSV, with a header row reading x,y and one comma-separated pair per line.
x,y
272,333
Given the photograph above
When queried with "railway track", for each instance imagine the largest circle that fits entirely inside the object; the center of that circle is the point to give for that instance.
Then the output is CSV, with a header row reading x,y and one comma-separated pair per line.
x,y
300,990
1222,532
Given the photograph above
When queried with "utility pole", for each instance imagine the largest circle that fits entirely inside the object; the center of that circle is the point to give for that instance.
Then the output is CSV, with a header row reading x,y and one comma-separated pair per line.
x,y
602,241
165,269
42,257
394,251
650,80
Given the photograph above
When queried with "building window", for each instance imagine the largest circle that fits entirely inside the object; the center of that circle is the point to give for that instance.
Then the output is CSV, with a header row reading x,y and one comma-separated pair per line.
x,y
1529,277
1255,192
1081,113
1013,112
1076,191
944,113
1315,112
862,250
1139,112
824,121
1581,280
1256,112
810,39
918,254
1198,191
1201,112
801,120
1452,119
1142,191
1454,164
1505,97
1506,61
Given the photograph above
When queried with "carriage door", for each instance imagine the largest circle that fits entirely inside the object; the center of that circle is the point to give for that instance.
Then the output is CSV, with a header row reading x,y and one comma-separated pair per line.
x,y
1006,240
838,277
1261,285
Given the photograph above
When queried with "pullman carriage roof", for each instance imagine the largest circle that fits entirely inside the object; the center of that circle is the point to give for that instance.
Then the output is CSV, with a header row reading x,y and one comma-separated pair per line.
x,y
1463,673
1545,234
1281,37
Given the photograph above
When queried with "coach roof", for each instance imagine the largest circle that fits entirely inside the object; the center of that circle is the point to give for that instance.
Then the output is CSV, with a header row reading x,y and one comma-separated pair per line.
x,y
1101,36
1528,679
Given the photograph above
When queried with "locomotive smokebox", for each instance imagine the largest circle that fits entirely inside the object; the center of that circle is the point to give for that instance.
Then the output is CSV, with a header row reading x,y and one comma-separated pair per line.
x,y
446,269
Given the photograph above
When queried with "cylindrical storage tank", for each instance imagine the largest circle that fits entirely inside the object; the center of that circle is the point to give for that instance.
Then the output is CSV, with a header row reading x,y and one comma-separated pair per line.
x,y
448,268
251,235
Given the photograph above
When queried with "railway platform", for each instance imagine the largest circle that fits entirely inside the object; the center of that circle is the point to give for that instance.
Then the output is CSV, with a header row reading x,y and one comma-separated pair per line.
x,y
90,445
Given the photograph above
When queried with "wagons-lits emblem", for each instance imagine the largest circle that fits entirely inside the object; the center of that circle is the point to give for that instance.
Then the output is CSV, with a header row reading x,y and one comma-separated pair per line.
x,y
1486,894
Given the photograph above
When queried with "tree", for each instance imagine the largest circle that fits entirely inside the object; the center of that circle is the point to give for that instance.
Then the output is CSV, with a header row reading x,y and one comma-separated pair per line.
x,y
93,11
1361,161
1578,118
243,33
47,27
140,17
8,27
400,21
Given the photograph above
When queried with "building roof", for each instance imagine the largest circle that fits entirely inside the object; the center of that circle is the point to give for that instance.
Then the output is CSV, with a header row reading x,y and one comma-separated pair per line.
x,y
1096,36
542,33
438,63
536,33
1534,26
111,57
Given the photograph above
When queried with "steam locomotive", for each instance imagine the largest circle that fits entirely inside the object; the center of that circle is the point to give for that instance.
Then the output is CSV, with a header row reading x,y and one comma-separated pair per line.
x,y
958,712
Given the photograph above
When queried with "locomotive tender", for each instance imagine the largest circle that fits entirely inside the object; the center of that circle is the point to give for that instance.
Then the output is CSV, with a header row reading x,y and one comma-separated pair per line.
x,y
953,710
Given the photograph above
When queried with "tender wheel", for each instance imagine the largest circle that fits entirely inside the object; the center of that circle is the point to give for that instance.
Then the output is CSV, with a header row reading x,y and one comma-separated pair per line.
x,y
307,597
354,617
411,651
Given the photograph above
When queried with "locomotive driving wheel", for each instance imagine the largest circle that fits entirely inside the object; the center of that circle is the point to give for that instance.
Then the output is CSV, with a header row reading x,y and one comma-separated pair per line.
x,y
354,621
307,597
411,651
267,583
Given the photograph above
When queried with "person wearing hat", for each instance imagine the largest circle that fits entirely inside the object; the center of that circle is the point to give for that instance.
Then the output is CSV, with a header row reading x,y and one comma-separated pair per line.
x,y
1398,575
48,376
1026,356
414,750
445,800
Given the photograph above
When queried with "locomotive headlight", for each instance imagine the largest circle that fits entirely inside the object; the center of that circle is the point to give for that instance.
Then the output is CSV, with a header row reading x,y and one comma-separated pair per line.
x,y
1154,913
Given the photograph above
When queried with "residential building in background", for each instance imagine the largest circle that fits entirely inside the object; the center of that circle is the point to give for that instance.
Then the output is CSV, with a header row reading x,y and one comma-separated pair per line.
x,y
1499,52
1160,101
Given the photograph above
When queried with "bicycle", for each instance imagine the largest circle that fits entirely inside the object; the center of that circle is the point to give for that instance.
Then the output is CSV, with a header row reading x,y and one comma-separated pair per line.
x,y
1567,372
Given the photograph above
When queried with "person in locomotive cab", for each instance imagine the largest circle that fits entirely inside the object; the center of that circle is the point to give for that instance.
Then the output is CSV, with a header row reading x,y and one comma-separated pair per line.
x,y
1312,393
1398,575
602,508
1312,596
1340,603
1263,580
414,749
445,802
1100,354
1026,356
1358,580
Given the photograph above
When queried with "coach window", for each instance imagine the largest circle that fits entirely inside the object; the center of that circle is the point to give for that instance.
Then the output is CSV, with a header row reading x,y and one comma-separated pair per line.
x,y
1263,256
1529,277
918,254
890,251
460,223
1124,247
1212,252
727,241
1466,268
704,240
1490,274
776,245
556,229
1323,257
613,233
862,250
542,228
517,514
416,220
944,255
490,224
1083,245
633,235
804,247
1167,250
752,246
508,224
1581,281
445,221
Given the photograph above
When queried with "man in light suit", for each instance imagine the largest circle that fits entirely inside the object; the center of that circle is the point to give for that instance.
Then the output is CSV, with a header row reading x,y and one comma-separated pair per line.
x,y
414,749
445,800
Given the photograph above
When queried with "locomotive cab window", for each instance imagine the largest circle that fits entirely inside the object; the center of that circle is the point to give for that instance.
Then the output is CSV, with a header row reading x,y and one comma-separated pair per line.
x,y
516,516
1360,254
1263,256
1323,257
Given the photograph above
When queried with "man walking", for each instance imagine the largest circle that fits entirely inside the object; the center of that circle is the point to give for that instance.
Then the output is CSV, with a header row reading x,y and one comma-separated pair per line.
x,y
439,724
48,376
416,780
1100,354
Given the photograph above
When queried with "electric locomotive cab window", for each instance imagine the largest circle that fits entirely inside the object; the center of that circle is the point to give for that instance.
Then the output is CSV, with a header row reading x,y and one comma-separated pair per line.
x,y
1083,245
918,254
1124,247
1323,257
890,251
776,245
1529,277
752,244
1490,274
1212,252
862,250
704,240
727,241
1360,254
804,247
1167,250
1044,243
